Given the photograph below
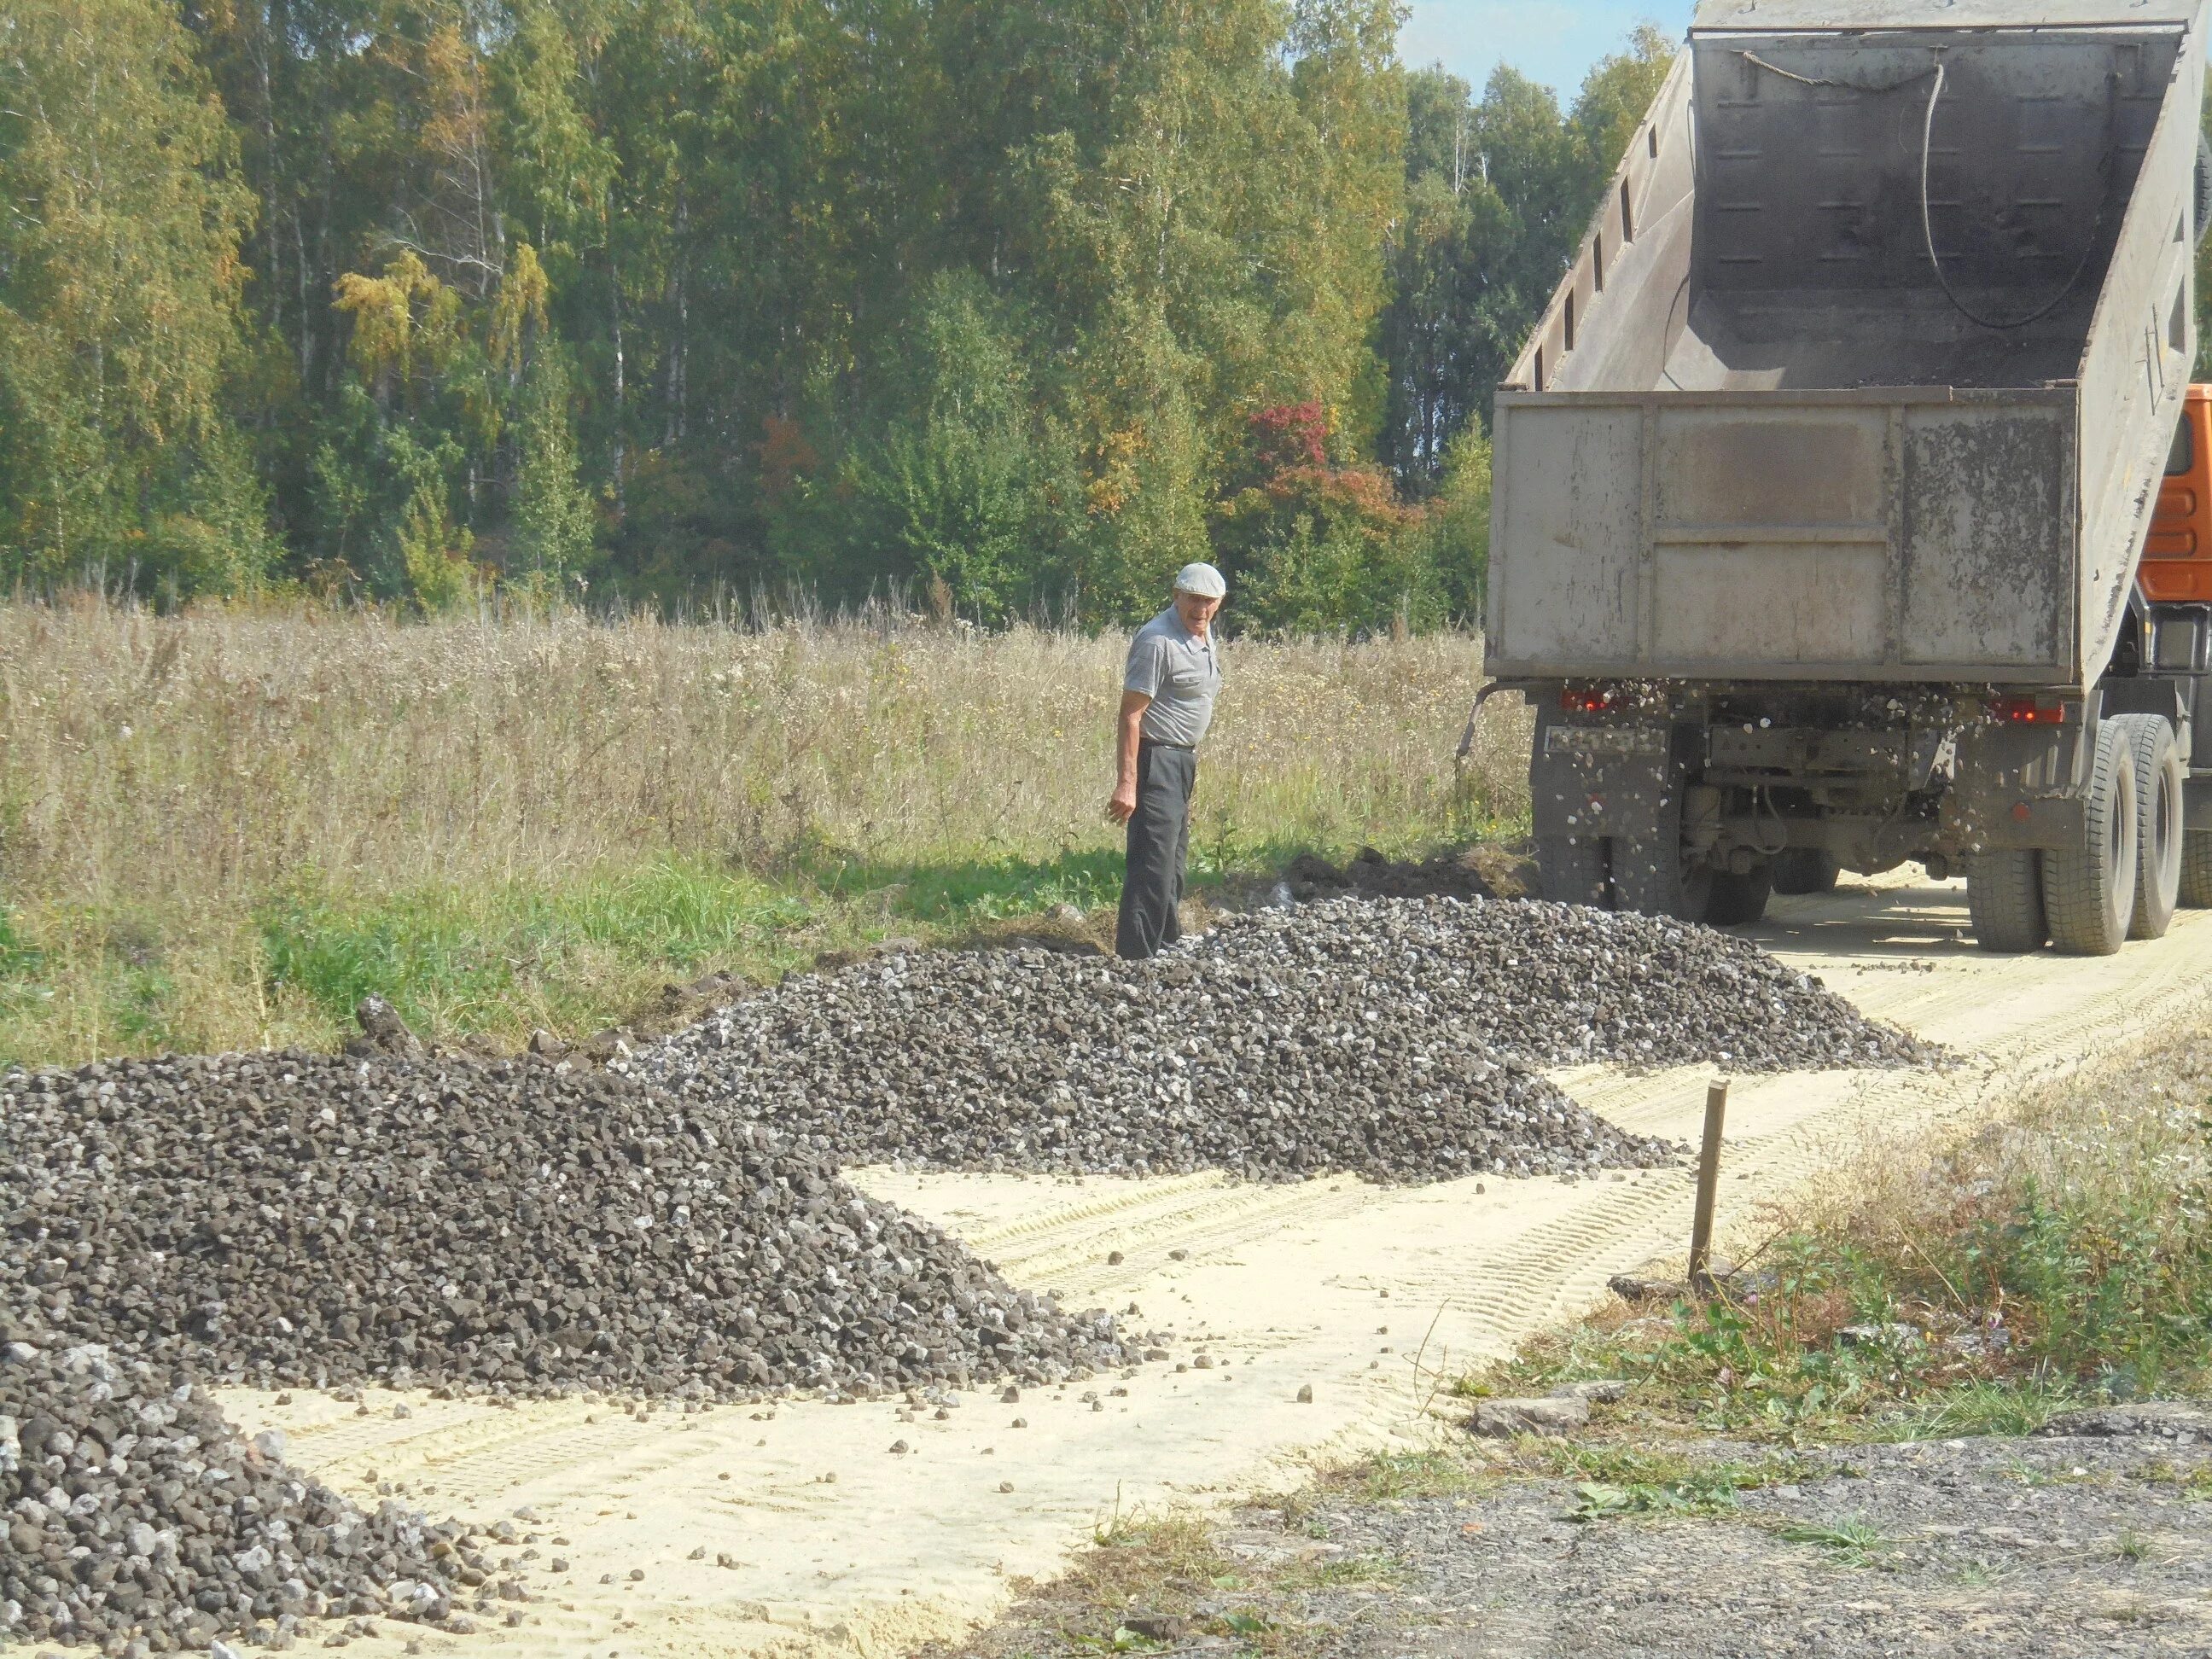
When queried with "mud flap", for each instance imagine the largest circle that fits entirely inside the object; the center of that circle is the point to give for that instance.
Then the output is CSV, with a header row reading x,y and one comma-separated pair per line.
x,y
2015,788
1604,781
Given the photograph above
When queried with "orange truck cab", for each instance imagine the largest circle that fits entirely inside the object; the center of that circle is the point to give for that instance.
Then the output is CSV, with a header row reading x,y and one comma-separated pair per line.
x,y
2172,609
2176,561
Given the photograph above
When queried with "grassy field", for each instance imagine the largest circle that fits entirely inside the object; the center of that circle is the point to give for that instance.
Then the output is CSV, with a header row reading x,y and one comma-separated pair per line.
x,y
220,830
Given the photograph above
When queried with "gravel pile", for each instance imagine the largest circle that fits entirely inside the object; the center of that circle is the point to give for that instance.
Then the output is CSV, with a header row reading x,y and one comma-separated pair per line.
x,y
138,1519
289,1219
1557,984
1394,1039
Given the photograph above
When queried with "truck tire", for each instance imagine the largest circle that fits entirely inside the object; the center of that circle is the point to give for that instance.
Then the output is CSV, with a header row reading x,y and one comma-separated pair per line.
x,y
1805,870
1570,869
2089,890
1738,900
2158,832
2196,870
2004,900
1652,873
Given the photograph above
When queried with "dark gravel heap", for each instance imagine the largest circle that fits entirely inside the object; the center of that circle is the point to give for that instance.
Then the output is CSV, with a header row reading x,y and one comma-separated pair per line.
x,y
1556,984
135,1512
1393,1039
289,1218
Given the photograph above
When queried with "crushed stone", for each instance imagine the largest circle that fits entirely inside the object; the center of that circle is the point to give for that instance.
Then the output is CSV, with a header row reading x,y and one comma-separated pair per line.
x,y
1395,1039
135,1517
289,1219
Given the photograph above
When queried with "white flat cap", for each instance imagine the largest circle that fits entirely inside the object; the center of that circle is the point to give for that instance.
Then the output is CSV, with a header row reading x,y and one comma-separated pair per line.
x,y
1201,579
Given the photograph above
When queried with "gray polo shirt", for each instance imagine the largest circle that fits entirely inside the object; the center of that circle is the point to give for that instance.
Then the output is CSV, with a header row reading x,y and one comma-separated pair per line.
x,y
1181,673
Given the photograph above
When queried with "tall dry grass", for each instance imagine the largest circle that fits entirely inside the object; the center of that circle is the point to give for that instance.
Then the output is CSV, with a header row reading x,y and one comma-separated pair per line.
x,y
185,800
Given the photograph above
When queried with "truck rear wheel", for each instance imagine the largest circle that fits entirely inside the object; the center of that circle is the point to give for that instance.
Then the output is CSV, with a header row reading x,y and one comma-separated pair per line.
x,y
1738,900
2158,832
1654,874
1570,869
2004,899
2196,870
1805,870
2089,890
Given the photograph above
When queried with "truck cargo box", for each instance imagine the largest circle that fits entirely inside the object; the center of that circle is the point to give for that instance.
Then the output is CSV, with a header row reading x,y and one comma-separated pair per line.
x,y
1868,368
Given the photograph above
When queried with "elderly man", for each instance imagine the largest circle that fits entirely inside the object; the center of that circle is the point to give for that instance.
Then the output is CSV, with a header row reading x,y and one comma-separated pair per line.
x,y
1167,701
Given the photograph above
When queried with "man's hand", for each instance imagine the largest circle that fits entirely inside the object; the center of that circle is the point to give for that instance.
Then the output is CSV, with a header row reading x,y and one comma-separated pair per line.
x,y
1121,805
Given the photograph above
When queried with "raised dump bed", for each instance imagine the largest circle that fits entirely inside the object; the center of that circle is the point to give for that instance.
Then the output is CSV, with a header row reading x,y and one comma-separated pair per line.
x,y
1858,395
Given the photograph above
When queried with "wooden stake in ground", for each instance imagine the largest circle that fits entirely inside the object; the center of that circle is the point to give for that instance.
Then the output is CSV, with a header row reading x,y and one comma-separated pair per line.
x,y
1709,1179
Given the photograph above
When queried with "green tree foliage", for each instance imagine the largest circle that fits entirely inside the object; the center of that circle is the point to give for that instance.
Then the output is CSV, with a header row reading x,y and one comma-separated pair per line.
x,y
1199,212
2203,365
120,221
1499,190
553,519
989,300
947,492
1457,524
1315,543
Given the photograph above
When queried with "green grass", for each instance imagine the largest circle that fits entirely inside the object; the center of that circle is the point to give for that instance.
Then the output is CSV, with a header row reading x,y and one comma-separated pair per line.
x,y
1614,1480
498,961
2010,1407
451,961
461,961
1388,1475
133,982
1345,1572
2192,1483
1851,1542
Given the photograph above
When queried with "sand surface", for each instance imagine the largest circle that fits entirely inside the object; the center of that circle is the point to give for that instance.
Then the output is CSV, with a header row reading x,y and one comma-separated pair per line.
x,y
1373,1298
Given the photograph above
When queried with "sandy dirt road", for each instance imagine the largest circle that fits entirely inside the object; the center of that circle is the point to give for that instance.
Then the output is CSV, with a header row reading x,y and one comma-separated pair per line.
x,y
1368,1296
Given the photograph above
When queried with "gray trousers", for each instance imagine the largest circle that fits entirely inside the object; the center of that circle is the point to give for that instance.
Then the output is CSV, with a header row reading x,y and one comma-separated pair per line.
x,y
1159,843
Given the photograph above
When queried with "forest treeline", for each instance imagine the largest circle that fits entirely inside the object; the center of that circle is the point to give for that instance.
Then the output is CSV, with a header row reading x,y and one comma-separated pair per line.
x,y
1011,305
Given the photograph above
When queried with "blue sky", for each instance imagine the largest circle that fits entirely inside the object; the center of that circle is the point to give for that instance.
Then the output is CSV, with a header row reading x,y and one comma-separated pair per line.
x,y
1554,41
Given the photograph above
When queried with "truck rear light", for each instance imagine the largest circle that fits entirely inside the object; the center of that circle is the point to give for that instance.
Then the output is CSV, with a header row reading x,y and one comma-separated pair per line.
x,y
2028,711
1589,701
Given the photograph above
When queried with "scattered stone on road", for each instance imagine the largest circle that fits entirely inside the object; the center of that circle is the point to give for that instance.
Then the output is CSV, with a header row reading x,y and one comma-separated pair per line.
x,y
1597,1390
2059,1546
2054,1547
1502,1420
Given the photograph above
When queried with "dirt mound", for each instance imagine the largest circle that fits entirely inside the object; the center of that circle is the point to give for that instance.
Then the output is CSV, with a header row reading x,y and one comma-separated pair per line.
x,y
1469,872
278,1219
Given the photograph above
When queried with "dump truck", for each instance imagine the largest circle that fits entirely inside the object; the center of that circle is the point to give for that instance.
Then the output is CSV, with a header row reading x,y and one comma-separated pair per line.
x,y
1851,504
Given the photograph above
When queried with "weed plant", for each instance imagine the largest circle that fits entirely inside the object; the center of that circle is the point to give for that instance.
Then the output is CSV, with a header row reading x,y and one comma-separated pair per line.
x,y
1852,1542
220,829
